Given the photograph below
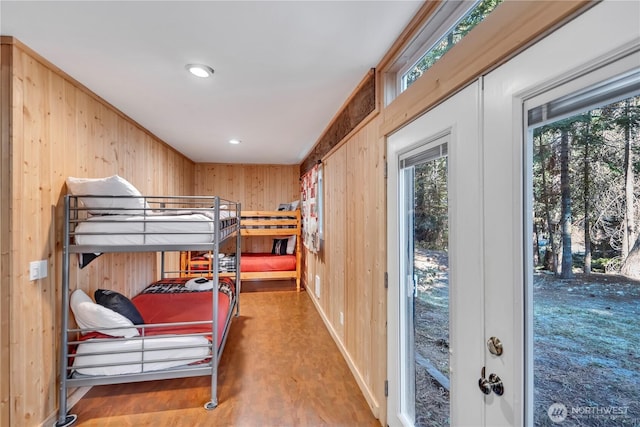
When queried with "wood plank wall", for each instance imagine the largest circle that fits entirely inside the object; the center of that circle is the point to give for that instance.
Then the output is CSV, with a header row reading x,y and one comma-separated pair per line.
x,y
256,187
352,266
59,129
5,266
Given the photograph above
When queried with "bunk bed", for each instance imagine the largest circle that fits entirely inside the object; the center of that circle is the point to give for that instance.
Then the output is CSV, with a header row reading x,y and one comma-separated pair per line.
x,y
283,262
185,320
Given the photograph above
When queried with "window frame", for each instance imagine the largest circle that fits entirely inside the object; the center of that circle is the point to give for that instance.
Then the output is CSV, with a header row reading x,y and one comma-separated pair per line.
x,y
438,23
443,20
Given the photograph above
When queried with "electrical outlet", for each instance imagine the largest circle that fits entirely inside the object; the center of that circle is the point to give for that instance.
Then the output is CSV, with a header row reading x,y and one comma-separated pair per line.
x,y
317,286
341,318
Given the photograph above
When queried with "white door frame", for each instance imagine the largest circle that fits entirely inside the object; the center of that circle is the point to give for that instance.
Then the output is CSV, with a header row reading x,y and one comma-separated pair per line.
x,y
458,117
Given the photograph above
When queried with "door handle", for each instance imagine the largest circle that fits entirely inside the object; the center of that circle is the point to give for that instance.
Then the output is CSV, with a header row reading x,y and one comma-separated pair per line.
x,y
493,383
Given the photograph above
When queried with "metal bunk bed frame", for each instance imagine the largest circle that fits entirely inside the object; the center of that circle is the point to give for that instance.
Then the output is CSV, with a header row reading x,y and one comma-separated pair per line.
x,y
74,214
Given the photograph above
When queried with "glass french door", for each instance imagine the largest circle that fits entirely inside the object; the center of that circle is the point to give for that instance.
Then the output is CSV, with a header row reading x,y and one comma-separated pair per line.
x,y
434,288
549,164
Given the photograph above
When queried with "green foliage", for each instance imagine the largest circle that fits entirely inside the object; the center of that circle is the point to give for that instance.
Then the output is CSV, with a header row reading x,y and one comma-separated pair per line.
x,y
442,46
431,214
598,265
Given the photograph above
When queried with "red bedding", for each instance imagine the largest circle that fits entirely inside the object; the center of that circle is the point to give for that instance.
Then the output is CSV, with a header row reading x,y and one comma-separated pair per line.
x,y
252,262
181,307
167,301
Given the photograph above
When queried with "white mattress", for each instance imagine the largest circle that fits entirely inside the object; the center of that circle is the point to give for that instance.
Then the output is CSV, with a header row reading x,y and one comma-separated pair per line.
x,y
115,229
159,359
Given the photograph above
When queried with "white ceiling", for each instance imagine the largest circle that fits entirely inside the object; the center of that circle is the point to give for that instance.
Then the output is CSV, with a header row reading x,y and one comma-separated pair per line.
x,y
282,68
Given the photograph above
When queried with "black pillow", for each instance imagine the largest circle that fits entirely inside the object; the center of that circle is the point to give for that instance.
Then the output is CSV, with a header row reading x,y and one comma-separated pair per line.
x,y
118,303
279,246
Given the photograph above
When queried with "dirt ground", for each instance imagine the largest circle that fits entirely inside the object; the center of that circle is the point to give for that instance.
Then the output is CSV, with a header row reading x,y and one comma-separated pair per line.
x,y
586,347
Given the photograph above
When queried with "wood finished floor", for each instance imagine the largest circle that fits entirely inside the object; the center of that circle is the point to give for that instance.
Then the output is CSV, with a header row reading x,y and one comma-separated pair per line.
x,y
280,367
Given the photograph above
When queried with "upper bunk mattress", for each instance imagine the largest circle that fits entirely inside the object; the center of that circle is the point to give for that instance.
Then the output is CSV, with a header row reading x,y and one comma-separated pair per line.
x,y
147,230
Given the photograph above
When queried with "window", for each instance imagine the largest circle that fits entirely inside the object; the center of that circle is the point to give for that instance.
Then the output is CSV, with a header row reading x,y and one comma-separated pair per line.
x,y
478,11
582,143
424,211
445,27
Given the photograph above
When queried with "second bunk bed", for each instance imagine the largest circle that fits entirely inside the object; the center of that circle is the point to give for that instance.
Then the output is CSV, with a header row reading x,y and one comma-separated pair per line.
x,y
282,262
176,326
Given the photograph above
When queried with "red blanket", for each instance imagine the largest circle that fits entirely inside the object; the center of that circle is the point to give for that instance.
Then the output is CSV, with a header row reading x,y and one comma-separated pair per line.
x,y
181,307
267,262
169,303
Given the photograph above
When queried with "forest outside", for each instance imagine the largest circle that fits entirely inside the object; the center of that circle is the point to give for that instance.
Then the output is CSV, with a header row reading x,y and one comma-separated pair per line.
x,y
586,187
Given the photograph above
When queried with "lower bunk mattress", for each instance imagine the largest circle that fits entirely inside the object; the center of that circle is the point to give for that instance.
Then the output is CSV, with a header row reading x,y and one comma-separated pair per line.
x,y
249,263
258,262
177,330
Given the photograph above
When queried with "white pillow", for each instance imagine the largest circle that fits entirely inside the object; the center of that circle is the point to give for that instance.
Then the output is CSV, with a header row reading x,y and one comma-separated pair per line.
x,y
291,245
110,186
294,205
90,315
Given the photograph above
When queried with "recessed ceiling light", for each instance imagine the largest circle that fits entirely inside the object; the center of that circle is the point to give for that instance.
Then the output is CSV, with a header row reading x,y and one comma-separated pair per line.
x,y
199,70
234,141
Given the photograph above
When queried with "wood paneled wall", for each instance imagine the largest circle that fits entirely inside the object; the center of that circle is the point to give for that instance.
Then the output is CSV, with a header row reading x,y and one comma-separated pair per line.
x,y
5,211
256,187
58,128
352,266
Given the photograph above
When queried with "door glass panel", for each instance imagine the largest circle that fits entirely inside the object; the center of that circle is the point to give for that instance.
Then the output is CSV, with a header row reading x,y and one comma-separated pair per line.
x,y
428,228
585,278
